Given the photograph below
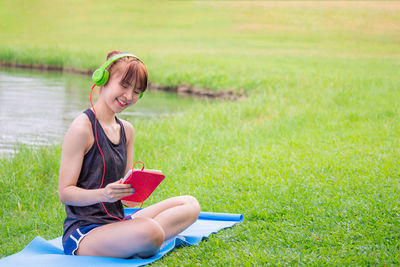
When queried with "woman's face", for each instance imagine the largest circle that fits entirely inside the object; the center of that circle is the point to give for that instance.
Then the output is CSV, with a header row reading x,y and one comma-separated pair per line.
x,y
118,97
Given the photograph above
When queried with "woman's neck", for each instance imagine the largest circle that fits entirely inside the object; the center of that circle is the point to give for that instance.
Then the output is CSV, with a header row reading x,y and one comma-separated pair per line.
x,y
103,114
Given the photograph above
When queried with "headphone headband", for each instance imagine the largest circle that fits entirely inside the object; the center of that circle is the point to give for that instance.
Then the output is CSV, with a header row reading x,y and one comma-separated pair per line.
x,y
114,58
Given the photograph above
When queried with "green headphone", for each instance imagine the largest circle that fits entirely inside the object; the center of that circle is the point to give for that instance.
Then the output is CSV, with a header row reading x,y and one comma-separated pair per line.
x,y
101,75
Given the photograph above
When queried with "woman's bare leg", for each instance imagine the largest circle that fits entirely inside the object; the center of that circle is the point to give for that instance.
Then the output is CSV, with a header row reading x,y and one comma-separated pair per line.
x,y
145,233
141,236
174,214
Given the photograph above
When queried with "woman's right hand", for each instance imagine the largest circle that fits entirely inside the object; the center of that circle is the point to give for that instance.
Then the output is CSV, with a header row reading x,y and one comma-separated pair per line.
x,y
115,191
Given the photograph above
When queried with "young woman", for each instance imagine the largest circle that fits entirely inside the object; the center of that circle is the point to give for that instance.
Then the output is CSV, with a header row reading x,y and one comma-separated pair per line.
x,y
95,224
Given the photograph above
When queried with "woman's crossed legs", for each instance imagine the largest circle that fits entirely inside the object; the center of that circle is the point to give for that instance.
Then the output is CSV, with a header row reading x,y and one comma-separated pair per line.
x,y
145,233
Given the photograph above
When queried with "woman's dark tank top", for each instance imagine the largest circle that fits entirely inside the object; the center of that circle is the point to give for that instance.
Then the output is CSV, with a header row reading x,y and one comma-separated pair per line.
x,y
90,178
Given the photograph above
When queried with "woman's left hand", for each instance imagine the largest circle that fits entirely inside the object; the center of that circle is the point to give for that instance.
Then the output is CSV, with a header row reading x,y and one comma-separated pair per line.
x,y
115,191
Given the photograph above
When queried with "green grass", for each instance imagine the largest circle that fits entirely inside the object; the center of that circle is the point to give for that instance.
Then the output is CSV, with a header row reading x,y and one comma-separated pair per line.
x,y
311,157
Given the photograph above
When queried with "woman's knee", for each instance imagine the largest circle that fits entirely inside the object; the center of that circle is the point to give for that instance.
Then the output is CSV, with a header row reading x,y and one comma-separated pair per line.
x,y
194,205
152,232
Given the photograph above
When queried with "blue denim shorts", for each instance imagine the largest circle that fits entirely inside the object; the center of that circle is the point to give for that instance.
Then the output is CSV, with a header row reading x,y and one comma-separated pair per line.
x,y
72,243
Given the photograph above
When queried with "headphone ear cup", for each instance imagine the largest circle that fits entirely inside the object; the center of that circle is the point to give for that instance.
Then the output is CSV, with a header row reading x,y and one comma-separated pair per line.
x,y
141,95
100,77
97,76
105,77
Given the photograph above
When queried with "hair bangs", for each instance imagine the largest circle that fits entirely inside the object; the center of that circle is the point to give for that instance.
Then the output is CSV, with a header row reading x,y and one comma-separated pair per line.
x,y
135,75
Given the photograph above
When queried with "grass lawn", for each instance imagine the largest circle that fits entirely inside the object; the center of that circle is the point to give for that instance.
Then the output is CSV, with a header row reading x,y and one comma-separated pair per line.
x,y
310,158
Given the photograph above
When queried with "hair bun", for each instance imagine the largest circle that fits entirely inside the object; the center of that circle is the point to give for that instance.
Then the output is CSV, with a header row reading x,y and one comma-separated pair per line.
x,y
113,53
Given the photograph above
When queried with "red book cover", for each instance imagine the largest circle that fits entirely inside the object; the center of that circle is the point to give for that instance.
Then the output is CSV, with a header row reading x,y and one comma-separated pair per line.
x,y
144,182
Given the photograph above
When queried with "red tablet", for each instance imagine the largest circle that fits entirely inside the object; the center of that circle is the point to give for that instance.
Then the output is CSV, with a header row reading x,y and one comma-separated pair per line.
x,y
144,182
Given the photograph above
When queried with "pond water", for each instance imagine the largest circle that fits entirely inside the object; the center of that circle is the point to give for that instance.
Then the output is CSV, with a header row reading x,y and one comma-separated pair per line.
x,y
36,107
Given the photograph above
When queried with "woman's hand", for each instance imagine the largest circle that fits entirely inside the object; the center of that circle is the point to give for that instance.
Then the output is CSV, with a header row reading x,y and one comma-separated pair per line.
x,y
115,191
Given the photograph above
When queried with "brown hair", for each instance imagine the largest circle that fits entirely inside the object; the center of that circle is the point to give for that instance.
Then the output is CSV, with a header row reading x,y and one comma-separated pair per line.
x,y
134,71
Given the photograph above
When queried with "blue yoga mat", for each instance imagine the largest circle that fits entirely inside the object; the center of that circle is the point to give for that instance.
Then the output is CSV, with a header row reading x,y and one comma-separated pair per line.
x,y
41,252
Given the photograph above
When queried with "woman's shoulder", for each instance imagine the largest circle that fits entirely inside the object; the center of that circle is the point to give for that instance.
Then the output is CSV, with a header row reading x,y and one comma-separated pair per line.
x,y
82,124
79,135
81,127
129,130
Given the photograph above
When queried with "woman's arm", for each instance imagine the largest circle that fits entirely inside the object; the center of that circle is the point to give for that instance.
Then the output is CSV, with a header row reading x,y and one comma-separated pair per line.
x,y
130,137
77,142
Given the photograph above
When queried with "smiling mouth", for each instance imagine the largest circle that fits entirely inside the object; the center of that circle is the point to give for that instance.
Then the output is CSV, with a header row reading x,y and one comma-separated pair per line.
x,y
121,102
